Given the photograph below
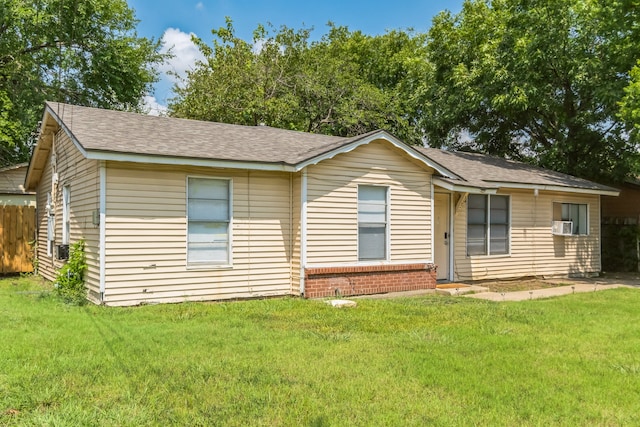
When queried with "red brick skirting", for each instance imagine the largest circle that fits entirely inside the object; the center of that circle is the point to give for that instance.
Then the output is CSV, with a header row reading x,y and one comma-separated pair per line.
x,y
365,280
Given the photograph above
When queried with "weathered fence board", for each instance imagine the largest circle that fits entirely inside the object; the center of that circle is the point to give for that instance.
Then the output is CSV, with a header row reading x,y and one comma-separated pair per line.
x,y
17,234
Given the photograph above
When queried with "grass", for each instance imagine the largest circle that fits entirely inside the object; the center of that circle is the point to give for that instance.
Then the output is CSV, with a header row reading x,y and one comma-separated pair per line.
x,y
432,360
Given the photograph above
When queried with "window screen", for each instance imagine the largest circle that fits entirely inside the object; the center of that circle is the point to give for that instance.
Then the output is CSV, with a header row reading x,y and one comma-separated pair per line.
x,y
487,224
208,214
372,222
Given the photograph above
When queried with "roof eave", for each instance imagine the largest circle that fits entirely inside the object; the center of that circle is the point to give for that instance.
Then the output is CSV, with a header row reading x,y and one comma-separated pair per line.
x,y
186,161
464,187
14,167
49,124
560,188
493,186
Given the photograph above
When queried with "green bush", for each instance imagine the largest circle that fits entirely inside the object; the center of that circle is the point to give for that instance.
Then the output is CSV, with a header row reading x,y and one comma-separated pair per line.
x,y
620,247
69,284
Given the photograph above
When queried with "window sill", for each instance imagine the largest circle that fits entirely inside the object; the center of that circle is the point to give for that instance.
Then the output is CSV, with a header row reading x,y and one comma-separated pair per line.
x,y
489,256
372,261
200,267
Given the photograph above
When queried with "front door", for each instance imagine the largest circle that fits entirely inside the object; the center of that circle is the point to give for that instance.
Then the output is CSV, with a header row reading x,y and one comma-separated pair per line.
x,y
442,234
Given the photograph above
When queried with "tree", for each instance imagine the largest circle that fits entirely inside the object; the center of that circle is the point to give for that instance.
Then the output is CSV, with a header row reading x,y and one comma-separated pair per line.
x,y
344,84
630,105
81,52
535,80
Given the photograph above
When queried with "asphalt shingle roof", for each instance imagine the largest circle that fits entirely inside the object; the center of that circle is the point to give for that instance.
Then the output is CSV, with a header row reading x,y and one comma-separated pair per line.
x,y
123,132
485,171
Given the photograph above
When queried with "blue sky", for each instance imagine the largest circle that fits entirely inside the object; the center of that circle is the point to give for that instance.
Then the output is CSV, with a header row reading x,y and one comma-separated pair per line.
x,y
173,21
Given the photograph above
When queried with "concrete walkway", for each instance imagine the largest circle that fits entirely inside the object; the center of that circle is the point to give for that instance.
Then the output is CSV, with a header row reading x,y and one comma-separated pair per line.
x,y
546,293
626,280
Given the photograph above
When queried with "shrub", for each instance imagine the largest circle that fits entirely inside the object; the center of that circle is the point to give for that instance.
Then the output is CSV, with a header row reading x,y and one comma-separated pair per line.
x,y
69,283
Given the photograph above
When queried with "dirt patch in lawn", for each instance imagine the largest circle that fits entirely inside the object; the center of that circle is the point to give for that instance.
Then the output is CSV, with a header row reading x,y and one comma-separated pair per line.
x,y
520,285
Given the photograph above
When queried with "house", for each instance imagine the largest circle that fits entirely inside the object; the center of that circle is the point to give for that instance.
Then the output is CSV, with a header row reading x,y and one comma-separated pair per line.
x,y
12,192
502,214
620,228
180,210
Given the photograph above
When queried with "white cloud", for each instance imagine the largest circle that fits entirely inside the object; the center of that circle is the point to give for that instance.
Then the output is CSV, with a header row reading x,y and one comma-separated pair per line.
x,y
153,107
199,6
258,45
174,69
185,54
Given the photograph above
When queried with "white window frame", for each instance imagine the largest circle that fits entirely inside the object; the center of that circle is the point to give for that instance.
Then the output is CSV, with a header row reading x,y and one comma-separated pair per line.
x,y
66,217
387,246
487,227
576,223
212,264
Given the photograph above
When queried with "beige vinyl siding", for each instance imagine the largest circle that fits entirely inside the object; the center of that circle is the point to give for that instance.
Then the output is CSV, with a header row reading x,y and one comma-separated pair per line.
x,y
12,179
332,210
296,199
82,177
12,187
146,236
47,265
534,250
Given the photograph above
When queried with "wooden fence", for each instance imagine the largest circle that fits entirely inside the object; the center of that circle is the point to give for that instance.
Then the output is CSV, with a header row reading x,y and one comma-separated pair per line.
x,y
17,236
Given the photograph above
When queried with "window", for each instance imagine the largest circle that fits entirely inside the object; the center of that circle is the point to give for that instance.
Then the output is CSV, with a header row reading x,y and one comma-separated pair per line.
x,y
66,222
487,225
209,219
574,212
372,223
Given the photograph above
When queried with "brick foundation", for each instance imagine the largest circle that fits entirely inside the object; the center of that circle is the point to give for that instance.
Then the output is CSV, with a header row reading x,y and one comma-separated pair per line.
x,y
366,280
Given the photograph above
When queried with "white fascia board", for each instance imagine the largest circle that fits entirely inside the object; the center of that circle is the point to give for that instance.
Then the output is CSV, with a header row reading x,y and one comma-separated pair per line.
x,y
186,161
31,169
504,185
463,188
370,138
559,188
66,129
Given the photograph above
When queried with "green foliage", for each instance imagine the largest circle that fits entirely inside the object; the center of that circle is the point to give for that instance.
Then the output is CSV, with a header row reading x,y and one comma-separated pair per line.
x,y
345,84
630,105
620,247
69,283
81,52
431,360
535,80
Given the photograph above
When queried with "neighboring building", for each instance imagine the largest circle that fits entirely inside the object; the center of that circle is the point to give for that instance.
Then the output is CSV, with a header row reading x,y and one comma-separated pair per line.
x,y
621,229
12,192
180,210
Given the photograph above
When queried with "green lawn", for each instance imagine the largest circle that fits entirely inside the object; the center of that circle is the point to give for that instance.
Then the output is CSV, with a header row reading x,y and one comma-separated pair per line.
x,y
432,360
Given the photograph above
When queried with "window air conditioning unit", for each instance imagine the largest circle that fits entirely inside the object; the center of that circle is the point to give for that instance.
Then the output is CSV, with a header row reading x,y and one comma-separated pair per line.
x,y
62,252
562,228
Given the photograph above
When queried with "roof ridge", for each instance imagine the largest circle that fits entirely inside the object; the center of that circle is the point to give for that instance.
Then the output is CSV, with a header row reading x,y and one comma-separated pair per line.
x,y
55,106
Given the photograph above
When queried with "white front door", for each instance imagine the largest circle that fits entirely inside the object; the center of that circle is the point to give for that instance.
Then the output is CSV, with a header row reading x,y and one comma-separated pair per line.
x,y
442,234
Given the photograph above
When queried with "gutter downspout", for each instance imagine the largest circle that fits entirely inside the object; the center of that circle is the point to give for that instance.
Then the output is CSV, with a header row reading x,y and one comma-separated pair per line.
x,y
452,249
432,215
303,229
103,227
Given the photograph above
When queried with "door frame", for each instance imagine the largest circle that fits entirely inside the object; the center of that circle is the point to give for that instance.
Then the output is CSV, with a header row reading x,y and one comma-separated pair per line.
x,y
450,251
